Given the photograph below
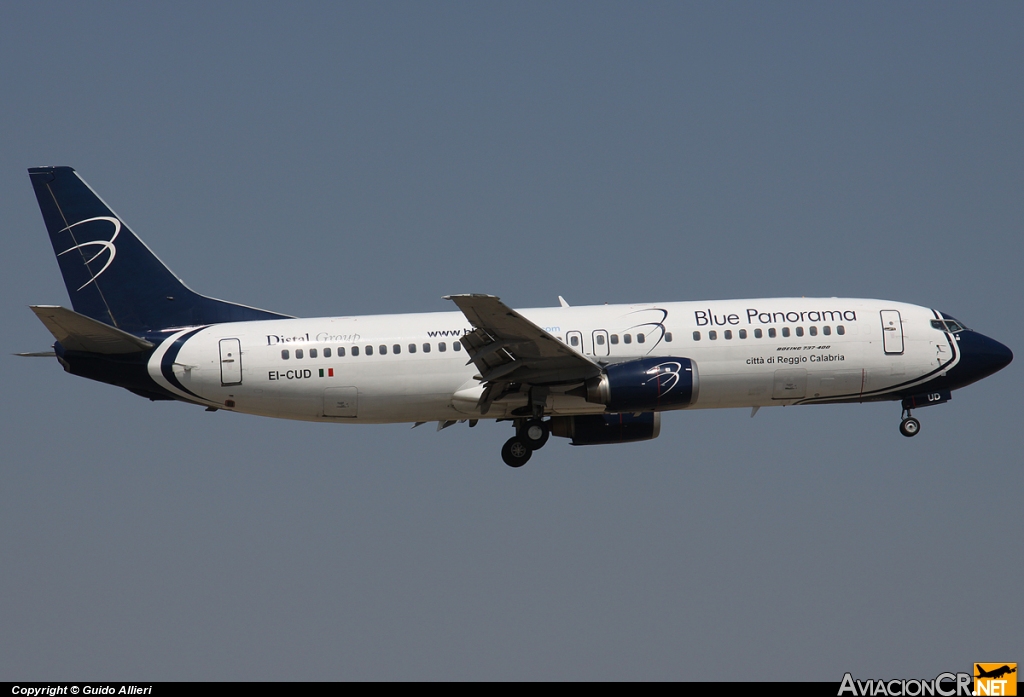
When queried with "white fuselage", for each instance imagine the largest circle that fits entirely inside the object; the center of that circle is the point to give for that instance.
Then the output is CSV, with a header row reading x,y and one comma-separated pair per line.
x,y
762,352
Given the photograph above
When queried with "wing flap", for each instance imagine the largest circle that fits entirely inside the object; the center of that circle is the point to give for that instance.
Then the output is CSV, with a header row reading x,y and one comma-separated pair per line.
x,y
508,349
76,332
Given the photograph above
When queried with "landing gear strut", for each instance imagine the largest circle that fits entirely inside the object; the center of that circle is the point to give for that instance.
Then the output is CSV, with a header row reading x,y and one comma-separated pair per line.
x,y
909,426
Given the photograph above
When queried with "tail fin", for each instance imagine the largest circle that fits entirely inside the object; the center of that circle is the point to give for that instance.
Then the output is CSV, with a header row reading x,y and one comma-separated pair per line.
x,y
110,274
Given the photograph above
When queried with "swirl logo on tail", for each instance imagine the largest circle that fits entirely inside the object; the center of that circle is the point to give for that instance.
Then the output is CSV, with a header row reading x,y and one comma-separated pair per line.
x,y
104,246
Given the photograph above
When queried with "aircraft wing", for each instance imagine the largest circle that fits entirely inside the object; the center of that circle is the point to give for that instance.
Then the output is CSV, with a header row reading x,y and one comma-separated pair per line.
x,y
509,349
77,332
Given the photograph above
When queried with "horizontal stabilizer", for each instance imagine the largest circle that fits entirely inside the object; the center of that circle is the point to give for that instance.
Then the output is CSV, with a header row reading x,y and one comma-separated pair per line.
x,y
77,332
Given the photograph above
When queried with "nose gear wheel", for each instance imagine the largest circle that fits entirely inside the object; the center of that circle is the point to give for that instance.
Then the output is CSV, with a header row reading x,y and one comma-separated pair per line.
x,y
909,426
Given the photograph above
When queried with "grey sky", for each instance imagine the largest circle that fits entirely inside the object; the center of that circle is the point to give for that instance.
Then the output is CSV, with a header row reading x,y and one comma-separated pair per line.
x,y
331,158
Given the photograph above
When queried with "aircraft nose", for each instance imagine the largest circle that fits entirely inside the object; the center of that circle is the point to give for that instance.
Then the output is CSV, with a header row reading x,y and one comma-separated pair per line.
x,y
981,356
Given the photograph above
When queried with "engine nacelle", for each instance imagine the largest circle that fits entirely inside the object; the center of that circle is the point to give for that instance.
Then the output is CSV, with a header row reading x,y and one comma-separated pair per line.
x,y
646,384
600,429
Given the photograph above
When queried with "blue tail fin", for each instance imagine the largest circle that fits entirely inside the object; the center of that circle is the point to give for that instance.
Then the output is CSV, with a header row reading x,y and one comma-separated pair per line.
x,y
110,274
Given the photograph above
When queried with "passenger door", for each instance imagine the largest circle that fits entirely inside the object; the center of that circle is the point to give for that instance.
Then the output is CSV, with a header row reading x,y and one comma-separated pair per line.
x,y
230,362
892,332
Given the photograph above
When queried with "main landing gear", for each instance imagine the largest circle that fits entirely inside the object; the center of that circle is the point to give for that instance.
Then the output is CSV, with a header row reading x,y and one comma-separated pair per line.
x,y
909,426
531,434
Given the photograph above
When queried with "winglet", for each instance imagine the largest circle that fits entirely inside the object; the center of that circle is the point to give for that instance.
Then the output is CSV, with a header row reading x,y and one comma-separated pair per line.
x,y
561,301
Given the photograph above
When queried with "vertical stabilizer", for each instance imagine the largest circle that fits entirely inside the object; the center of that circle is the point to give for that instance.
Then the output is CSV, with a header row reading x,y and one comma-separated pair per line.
x,y
110,274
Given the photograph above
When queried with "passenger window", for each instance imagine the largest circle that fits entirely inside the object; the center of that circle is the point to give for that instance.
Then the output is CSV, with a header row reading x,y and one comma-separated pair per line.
x,y
397,348
456,346
712,335
758,334
600,339
668,337
442,347
327,353
574,340
615,338
743,333
813,331
640,338
412,348
355,350
312,353
771,332
426,347
785,331
341,352
826,330
799,331
284,354
728,333
369,350
298,353
383,349
627,338
840,330
696,336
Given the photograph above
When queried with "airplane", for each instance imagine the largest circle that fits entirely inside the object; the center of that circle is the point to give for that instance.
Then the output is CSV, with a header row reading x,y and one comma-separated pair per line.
x,y
595,375
995,673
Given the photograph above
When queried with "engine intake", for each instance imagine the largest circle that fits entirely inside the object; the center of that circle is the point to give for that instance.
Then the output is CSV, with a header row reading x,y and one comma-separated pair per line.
x,y
646,384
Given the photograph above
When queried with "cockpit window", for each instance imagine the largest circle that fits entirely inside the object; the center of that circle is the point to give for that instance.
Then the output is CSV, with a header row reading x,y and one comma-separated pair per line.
x,y
948,325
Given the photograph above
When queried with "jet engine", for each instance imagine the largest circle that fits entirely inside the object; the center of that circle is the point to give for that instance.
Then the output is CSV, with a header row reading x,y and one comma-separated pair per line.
x,y
645,384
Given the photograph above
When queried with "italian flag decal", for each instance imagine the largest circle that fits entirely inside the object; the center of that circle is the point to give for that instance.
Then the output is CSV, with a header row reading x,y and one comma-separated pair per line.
x,y
330,372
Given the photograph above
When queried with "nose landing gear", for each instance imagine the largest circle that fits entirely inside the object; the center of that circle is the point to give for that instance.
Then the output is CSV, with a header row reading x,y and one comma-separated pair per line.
x,y
531,434
909,426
